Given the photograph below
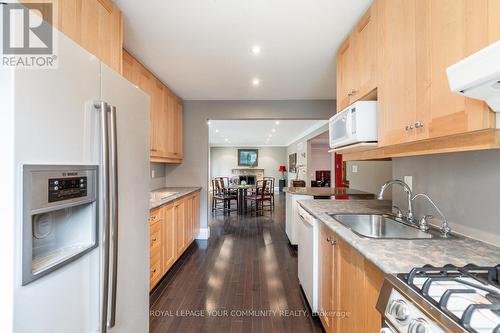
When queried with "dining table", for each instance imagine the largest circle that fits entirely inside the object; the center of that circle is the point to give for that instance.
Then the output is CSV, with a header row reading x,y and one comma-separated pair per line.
x,y
242,191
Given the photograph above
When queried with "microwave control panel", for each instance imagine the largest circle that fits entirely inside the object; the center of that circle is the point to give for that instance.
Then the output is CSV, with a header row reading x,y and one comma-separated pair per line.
x,y
67,188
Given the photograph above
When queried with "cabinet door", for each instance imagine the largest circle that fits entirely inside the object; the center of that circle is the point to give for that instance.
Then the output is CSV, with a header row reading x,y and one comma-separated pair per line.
x,y
171,123
396,60
131,68
454,29
158,120
180,226
326,276
169,237
345,74
101,26
350,275
196,214
179,131
155,252
188,225
365,42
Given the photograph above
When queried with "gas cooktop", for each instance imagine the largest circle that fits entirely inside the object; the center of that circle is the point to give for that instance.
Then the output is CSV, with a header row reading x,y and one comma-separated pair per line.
x,y
442,299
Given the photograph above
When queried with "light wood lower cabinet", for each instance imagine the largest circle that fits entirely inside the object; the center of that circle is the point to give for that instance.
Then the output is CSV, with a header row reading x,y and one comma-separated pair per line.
x,y
173,227
349,287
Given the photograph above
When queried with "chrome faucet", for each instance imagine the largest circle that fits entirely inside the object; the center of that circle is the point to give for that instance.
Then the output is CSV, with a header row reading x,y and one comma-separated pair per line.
x,y
445,228
407,189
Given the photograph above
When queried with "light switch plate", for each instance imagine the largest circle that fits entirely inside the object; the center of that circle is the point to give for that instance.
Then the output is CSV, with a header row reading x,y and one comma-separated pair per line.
x,y
153,173
409,180
354,168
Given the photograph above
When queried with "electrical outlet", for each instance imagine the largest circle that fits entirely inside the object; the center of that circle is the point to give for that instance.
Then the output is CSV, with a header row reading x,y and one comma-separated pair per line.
x,y
409,181
153,173
354,168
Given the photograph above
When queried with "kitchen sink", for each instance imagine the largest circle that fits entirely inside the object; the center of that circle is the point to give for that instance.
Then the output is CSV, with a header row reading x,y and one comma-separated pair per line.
x,y
380,226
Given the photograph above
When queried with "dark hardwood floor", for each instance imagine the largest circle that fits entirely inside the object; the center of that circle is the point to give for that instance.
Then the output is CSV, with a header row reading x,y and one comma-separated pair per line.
x,y
246,265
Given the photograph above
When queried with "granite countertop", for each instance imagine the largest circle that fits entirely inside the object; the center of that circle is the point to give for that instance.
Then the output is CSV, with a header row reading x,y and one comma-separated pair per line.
x,y
329,191
400,255
180,192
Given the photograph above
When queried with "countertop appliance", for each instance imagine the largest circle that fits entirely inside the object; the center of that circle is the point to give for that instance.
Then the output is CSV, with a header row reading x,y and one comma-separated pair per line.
x,y
308,257
79,141
441,300
358,123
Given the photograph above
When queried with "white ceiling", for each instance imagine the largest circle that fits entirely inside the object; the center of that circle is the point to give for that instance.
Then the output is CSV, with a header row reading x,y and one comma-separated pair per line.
x,y
202,48
255,133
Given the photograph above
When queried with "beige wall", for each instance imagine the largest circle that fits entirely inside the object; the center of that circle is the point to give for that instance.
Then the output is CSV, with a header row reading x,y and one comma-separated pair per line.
x,y
465,186
224,159
321,159
194,169
369,176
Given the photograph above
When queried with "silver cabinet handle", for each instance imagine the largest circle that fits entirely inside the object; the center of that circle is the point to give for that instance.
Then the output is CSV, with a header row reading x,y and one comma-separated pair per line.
x,y
409,127
104,198
331,240
113,211
419,124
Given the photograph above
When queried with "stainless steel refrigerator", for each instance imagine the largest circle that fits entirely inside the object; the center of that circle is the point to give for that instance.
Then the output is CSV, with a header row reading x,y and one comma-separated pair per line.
x,y
75,198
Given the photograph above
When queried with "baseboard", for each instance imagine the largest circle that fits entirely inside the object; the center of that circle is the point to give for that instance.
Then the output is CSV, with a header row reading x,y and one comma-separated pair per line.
x,y
204,233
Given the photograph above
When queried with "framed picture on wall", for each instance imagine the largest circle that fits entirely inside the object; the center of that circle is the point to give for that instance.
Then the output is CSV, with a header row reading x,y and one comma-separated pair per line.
x,y
292,163
248,157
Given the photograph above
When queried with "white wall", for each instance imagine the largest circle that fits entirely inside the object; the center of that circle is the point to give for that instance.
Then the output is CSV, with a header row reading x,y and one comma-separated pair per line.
x,y
194,169
224,159
369,176
465,186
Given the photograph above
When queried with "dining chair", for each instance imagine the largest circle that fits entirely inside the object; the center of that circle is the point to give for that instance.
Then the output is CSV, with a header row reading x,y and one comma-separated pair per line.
x,y
221,194
270,188
260,196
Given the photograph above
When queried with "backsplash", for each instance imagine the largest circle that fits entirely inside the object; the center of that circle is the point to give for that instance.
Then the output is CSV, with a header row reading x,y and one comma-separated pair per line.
x,y
466,186
159,179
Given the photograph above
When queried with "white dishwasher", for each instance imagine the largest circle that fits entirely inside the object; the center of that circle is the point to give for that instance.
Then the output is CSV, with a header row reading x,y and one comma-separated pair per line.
x,y
308,238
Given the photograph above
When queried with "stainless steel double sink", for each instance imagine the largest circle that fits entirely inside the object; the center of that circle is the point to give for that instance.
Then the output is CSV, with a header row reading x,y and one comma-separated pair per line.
x,y
381,226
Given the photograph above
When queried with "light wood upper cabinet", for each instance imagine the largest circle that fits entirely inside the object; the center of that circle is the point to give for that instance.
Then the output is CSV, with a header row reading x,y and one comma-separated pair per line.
x,y
356,61
452,30
345,74
94,24
166,112
397,72
414,43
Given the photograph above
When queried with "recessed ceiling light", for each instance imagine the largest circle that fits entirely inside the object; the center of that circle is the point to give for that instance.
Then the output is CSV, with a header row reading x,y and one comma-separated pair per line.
x,y
256,82
277,122
226,140
256,49
209,122
274,130
270,135
216,131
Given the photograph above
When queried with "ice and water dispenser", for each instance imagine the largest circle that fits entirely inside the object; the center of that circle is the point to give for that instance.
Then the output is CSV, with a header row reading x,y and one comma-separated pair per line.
x,y
60,216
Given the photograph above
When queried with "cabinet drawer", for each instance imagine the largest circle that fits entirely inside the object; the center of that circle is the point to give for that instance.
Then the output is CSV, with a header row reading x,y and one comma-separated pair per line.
x,y
154,216
155,236
155,271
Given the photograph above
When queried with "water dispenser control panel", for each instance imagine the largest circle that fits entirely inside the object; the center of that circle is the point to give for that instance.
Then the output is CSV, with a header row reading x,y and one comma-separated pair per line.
x,y
67,188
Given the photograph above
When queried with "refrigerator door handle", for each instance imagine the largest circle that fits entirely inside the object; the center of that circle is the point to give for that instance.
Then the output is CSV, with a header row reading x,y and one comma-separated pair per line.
x,y
113,212
104,204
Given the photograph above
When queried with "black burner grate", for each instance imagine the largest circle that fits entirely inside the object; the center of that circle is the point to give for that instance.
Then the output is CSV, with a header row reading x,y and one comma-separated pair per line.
x,y
485,277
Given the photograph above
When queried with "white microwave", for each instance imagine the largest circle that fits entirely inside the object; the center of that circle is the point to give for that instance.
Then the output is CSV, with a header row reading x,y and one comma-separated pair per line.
x,y
355,124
